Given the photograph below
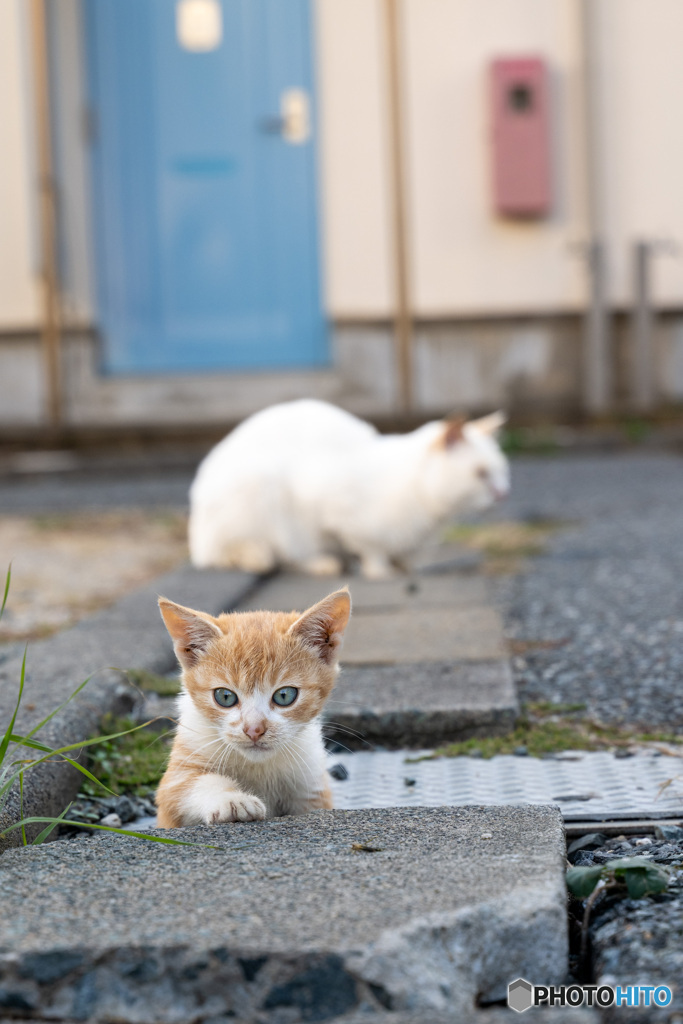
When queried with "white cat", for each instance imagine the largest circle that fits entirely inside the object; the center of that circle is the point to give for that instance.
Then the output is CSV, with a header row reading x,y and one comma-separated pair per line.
x,y
305,483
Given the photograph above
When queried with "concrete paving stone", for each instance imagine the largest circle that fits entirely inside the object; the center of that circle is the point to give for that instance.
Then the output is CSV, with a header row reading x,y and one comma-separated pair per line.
x,y
292,591
495,1015
129,634
445,557
422,635
421,704
299,918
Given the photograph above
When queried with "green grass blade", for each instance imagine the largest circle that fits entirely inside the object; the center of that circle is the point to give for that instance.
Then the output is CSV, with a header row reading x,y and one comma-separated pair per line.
x,y
7,581
33,744
94,740
74,764
58,708
21,809
42,836
64,750
121,832
89,774
4,743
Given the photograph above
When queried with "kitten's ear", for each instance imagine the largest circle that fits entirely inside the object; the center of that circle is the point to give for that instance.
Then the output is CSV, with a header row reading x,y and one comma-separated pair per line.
x,y
321,628
490,424
190,631
452,431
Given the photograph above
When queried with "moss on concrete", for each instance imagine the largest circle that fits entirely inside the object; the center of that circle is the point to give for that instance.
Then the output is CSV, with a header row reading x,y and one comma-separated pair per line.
x,y
546,728
130,764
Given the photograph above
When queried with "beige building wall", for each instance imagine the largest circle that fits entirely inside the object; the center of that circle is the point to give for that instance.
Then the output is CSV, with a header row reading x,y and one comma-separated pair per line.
x,y
19,295
642,84
467,260
353,158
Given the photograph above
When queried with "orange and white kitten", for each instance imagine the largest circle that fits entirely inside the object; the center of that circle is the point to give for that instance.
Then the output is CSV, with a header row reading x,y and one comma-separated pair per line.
x,y
249,741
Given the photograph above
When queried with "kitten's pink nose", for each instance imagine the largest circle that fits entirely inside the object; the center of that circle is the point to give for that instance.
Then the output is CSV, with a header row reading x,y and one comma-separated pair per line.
x,y
255,730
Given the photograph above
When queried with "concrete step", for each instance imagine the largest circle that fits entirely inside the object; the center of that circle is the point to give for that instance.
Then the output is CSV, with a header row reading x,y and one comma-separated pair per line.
x,y
421,704
309,918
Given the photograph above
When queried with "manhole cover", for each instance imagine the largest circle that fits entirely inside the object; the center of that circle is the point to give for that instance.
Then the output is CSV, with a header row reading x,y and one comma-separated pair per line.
x,y
584,785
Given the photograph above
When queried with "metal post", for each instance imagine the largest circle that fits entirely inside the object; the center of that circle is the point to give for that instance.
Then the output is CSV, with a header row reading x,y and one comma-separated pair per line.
x,y
597,363
642,321
598,356
50,330
403,323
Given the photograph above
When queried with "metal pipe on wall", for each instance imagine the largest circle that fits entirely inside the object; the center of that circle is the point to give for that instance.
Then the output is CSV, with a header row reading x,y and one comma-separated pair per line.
x,y
403,319
50,328
597,383
642,324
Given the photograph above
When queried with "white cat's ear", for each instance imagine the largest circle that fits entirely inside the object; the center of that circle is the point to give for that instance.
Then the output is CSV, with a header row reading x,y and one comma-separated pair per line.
x,y
490,424
452,431
321,628
190,631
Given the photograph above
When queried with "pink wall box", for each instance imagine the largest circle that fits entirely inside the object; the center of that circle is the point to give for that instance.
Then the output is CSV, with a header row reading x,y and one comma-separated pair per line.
x,y
520,136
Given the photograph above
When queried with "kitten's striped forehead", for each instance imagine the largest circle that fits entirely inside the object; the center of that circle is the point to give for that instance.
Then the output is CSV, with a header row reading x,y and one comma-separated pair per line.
x,y
257,653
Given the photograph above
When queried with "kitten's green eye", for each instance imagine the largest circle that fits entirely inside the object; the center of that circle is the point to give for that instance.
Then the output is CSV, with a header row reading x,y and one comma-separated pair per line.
x,y
226,698
285,696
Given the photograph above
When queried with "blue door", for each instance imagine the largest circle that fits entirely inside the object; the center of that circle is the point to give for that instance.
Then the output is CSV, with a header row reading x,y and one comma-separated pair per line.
x,y
204,184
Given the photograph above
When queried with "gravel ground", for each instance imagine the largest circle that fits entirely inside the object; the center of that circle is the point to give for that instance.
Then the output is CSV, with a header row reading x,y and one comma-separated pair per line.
x,y
70,564
609,589
640,941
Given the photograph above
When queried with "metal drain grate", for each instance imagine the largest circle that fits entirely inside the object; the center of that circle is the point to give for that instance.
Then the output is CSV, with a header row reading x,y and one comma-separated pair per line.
x,y
584,785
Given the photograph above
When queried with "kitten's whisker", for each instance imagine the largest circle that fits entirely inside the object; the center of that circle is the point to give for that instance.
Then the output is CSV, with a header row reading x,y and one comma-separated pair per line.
x,y
223,755
198,751
339,744
294,748
344,727
336,700
340,727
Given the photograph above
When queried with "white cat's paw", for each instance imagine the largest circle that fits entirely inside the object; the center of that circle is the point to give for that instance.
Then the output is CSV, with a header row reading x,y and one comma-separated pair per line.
x,y
322,565
374,567
235,806
254,556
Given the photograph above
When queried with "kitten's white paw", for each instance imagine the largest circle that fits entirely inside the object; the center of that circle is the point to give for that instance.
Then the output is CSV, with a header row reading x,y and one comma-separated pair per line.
x,y
235,806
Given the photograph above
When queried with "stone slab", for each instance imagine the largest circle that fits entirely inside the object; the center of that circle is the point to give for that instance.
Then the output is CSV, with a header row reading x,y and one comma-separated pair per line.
x,y
129,634
413,910
292,591
487,1015
428,703
424,635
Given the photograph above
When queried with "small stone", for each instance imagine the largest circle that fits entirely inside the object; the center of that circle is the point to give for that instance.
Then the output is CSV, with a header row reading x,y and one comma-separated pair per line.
x,y
409,782
520,752
339,772
591,841
125,808
111,821
487,835
672,833
644,841
620,752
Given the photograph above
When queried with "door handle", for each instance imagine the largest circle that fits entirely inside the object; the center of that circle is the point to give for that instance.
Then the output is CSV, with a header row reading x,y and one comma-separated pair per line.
x,y
294,122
